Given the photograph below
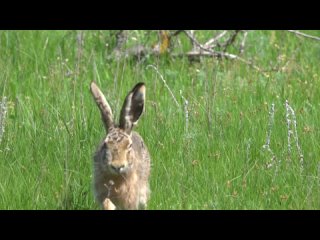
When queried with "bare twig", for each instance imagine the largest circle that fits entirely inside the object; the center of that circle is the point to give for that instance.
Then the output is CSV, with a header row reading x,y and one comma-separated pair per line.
x,y
304,35
210,53
289,127
231,40
233,56
209,44
175,33
241,49
212,42
165,83
271,121
3,112
194,42
185,101
267,144
195,46
292,131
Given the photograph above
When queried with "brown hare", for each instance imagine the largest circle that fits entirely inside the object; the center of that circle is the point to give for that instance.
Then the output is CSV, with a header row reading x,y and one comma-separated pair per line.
x,y
122,160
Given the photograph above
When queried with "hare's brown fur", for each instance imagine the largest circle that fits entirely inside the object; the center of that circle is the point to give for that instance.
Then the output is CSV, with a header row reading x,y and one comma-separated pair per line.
x,y
122,160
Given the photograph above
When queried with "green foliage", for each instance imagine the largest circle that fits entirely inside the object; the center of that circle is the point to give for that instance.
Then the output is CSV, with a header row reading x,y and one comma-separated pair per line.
x,y
53,127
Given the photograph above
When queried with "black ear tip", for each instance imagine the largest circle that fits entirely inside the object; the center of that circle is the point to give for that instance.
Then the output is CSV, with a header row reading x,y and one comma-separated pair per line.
x,y
138,86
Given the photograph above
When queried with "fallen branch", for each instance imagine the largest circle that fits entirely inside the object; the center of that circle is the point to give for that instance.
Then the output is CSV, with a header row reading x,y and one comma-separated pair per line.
x,y
212,42
304,35
231,40
195,45
233,56
214,47
210,53
175,33
195,42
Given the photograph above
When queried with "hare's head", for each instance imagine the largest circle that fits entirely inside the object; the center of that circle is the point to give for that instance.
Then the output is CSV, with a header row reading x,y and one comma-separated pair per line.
x,y
117,152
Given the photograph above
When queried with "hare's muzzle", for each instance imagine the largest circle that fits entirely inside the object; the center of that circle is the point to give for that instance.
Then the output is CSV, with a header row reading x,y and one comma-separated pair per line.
x,y
119,169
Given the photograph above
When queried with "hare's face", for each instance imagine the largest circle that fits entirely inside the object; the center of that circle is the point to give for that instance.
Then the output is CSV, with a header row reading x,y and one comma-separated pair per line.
x,y
119,151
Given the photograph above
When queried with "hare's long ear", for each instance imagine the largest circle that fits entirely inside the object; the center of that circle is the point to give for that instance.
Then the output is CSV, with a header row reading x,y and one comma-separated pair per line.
x,y
106,113
133,107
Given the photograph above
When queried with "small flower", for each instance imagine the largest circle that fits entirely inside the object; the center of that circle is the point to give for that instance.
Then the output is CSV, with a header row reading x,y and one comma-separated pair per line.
x,y
195,162
284,197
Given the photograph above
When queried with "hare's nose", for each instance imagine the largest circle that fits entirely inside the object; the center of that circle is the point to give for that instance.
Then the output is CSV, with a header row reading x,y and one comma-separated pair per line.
x,y
118,169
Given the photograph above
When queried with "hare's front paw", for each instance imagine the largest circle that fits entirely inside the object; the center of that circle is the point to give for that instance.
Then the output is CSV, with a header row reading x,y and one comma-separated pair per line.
x,y
108,205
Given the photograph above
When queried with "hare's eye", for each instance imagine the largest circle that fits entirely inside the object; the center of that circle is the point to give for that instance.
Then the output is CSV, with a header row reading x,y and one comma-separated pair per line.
x,y
130,146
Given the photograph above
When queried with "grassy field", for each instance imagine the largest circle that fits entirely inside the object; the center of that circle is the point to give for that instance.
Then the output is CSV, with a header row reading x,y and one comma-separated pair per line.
x,y
215,158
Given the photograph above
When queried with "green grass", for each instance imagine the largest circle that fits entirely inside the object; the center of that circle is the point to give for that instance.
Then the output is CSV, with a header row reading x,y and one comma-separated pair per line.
x,y
53,126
